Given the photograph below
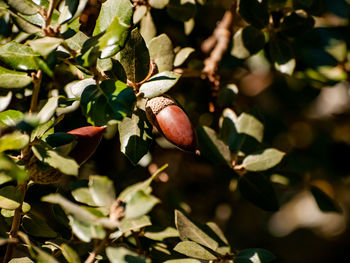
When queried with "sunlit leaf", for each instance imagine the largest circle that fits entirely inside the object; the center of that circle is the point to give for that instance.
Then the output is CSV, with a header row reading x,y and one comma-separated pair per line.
x,y
263,160
161,51
194,250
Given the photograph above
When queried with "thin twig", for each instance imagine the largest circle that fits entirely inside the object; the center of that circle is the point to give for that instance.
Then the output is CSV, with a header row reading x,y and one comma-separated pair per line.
x,y
98,249
16,221
37,82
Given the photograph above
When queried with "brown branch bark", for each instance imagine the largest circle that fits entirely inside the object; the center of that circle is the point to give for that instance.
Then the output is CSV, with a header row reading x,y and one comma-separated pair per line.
x,y
98,249
37,82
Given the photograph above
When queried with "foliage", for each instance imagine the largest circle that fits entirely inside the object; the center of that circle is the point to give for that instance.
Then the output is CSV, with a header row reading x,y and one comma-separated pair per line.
x,y
59,69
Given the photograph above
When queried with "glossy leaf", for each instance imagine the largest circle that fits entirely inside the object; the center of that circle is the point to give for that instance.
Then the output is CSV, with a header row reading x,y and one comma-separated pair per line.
x,y
135,58
71,10
211,147
46,113
182,56
10,117
248,124
140,204
254,255
159,84
263,160
247,41
258,190
123,255
324,202
102,190
47,155
181,10
135,136
13,141
112,101
161,51
11,79
194,250
189,231
254,12
45,45
10,198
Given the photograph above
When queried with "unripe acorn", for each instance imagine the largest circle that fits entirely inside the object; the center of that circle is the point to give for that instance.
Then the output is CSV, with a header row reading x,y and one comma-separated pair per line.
x,y
88,138
172,122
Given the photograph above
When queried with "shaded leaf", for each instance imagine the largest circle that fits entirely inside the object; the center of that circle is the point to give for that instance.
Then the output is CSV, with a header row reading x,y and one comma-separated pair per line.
x,y
194,250
258,190
102,190
254,12
43,257
37,227
59,138
21,260
324,202
112,101
159,84
161,235
254,255
263,160
247,41
183,260
128,224
282,55
69,254
11,79
181,10
211,147
297,23
13,141
135,58
4,178
161,51
188,230
123,255
182,56
10,168
135,136
10,198
250,125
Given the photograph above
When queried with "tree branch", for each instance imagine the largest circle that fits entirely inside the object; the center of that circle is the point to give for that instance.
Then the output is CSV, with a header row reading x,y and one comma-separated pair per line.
x,y
37,82
98,249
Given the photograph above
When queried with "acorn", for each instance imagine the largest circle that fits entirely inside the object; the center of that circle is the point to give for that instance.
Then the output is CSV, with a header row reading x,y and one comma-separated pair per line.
x,y
88,138
172,122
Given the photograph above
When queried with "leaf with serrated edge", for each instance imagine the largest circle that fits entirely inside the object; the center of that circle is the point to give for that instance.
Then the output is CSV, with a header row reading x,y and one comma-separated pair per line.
x,y
189,230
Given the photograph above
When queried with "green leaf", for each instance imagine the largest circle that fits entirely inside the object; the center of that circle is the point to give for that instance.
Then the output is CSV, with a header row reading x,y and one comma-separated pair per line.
x,y
26,7
227,95
161,51
45,45
324,202
114,100
183,260
247,41
181,10
102,190
123,255
10,79
43,257
85,231
135,58
104,64
194,250
189,231
148,29
159,4
140,12
254,255
254,12
10,168
159,84
10,213
161,235
140,204
77,41
21,260
5,100
215,228
282,55
24,25
248,124
182,56
297,23
64,164
128,224
49,109
42,130
122,9
10,117
83,195
188,26
135,136
69,254
59,138
71,10
211,147
263,160
10,198
37,227
13,141
18,56
4,178
258,190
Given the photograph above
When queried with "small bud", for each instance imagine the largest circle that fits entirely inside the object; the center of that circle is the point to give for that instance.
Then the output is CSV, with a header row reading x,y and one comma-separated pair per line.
x,y
170,120
88,138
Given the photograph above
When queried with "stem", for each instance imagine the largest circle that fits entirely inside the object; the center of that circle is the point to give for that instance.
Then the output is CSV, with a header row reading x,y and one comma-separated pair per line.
x,y
15,223
52,6
138,243
98,249
37,81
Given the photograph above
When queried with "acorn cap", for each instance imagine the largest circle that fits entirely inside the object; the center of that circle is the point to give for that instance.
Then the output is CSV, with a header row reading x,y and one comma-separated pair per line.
x,y
155,105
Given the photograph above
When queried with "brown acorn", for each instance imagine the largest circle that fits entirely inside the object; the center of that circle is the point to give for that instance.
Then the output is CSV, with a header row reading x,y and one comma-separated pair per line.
x,y
88,138
172,122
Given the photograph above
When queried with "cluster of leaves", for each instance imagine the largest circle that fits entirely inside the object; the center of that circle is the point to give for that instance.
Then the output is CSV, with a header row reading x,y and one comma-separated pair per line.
x,y
109,75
